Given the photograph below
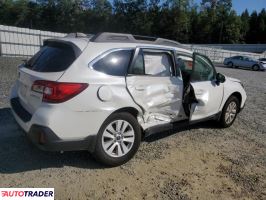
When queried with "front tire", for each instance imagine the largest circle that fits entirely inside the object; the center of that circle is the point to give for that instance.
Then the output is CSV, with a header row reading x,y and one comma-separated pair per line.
x,y
256,68
229,112
118,139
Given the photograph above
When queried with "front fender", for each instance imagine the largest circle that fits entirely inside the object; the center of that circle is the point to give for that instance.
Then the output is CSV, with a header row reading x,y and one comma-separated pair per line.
x,y
231,87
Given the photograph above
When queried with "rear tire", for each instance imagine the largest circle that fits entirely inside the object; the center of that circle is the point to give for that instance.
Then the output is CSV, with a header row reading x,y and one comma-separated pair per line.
x,y
229,112
231,64
118,139
255,68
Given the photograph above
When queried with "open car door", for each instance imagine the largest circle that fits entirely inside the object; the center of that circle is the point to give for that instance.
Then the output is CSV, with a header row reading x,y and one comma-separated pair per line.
x,y
208,91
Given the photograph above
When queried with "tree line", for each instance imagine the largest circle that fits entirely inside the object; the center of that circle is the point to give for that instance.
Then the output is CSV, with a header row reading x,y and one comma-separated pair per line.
x,y
211,21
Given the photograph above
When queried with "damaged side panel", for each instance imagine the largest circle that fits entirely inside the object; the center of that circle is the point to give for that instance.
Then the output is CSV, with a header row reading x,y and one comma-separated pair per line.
x,y
159,97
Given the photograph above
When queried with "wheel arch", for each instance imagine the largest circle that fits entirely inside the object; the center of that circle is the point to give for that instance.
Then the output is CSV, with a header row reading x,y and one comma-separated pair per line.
x,y
133,111
230,62
237,95
253,66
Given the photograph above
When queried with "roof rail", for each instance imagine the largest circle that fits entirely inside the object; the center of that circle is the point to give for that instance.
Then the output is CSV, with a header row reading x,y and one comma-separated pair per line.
x,y
78,35
112,37
162,41
123,37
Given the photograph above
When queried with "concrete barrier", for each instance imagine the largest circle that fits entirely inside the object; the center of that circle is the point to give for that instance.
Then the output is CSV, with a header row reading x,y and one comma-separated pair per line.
x,y
252,48
22,42
218,55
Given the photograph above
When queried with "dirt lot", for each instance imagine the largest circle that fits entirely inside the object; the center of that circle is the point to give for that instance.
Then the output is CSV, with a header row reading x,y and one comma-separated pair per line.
x,y
200,162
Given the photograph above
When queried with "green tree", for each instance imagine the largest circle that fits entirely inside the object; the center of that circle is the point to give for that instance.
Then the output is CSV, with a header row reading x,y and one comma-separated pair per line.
x,y
97,16
253,31
14,13
244,25
262,26
213,4
217,19
195,28
49,15
211,21
232,27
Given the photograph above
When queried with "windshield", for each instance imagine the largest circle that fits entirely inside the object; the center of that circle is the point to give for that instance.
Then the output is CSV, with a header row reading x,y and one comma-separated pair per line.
x,y
249,59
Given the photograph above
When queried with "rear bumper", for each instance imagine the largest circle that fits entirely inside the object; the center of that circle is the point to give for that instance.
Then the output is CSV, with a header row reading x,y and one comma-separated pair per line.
x,y
22,113
38,131
45,139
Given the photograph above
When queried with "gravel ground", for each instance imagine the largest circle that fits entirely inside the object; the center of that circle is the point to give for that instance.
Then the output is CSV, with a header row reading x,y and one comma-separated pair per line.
x,y
200,162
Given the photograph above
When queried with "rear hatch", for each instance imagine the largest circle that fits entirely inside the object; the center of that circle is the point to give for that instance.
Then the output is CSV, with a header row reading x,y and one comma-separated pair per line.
x,y
50,64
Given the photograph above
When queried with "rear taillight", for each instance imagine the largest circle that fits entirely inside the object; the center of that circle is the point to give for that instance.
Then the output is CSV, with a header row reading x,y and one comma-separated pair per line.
x,y
57,92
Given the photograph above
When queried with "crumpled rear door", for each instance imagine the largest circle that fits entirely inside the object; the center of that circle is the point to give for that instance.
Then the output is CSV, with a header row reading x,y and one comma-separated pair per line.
x,y
156,91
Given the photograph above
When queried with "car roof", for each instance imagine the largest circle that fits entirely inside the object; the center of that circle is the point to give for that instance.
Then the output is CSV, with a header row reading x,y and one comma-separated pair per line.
x,y
120,40
242,56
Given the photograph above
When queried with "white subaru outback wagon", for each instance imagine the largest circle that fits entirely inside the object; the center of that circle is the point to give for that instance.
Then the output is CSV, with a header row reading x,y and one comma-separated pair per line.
x,y
103,93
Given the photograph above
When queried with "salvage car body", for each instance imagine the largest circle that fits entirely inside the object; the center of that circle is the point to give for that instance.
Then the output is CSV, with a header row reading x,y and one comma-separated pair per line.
x,y
155,100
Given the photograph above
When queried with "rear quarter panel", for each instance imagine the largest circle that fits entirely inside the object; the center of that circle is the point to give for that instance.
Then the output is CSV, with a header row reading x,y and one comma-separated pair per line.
x,y
104,95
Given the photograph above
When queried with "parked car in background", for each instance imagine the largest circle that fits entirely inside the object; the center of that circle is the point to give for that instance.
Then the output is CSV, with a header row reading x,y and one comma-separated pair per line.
x,y
245,62
263,61
104,93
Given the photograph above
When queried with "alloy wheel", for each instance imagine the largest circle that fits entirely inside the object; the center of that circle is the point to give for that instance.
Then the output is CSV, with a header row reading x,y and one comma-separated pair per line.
x,y
231,112
118,138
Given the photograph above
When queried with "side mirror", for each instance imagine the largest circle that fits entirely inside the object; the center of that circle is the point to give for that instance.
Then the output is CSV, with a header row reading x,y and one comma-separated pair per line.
x,y
220,78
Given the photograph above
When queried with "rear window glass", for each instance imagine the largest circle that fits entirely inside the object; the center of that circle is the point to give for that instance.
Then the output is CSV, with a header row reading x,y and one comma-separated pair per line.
x,y
54,57
114,63
238,57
